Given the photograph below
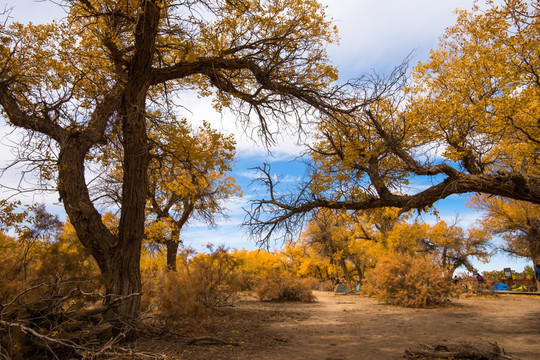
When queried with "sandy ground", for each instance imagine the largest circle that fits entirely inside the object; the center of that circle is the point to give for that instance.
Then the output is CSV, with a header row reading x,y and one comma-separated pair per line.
x,y
355,327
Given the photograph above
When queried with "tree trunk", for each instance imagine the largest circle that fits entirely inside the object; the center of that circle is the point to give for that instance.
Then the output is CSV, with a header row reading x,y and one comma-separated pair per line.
x,y
345,271
117,260
172,249
124,290
320,273
358,266
126,280
125,273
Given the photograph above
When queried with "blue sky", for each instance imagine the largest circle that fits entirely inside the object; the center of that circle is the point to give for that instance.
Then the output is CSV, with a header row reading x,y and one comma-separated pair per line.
x,y
374,35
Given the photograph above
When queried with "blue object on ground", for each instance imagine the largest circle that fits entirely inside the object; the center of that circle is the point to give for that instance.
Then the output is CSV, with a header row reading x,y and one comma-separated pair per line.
x,y
500,286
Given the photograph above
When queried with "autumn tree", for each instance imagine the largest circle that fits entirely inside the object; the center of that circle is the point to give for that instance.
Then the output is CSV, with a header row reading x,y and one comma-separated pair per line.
x,y
306,261
34,228
454,247
188,180
466,123
449,245
78,86
342,244
362,240
328,233
517,222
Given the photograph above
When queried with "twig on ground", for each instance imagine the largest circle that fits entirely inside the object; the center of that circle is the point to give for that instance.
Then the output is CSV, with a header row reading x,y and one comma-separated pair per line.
x,y
210,340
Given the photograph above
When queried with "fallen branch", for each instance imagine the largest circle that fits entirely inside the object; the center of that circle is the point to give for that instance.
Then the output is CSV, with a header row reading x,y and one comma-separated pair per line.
x,y
109,350
46,339
209,340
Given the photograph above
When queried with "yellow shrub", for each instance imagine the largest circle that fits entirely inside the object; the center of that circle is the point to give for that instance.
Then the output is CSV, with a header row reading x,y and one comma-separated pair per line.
x,y
409,281
281,286
186,296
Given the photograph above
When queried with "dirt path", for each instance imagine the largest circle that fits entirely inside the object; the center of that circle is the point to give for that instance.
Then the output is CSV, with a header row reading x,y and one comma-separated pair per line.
x,y
355,327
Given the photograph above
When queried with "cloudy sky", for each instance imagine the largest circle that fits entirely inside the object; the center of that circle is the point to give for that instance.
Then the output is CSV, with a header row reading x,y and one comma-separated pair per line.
x,y
375,35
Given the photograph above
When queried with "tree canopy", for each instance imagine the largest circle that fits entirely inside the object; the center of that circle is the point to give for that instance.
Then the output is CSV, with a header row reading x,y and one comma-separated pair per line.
x,y
466,122
517,222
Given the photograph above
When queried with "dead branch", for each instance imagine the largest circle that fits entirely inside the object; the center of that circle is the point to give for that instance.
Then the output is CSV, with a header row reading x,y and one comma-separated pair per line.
x,y
210,340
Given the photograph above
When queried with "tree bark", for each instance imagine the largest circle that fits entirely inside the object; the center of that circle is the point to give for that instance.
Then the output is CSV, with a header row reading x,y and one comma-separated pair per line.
x,y
125,282
345,271
125,275
117,260
172,249
118,256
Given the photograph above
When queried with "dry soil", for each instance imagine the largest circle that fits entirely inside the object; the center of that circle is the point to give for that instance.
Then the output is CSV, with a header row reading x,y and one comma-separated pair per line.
x,y
354,327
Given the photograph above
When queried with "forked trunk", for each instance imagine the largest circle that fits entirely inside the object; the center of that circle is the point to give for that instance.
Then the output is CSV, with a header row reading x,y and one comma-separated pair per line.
x,y
118,257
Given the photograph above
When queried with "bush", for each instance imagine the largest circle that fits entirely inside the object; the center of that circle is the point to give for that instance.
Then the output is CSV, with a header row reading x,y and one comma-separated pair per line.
x,y
214,276
186,296
408,281
281,286
48,290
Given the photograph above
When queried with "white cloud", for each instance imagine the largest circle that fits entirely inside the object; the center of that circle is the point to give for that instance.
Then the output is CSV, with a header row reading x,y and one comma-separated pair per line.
x,y
35,11
380,34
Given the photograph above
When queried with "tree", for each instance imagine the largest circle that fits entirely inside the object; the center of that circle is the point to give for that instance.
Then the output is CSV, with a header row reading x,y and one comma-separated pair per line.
x,y
188,178
328,233
83,85
448,245
306,261
467,123
453,247
517,222
338,242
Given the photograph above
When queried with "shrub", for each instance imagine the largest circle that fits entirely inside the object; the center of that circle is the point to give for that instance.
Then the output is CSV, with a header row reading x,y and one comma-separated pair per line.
x,y
408,281
186,296
281,286
214,276
325,285
175,300
49,287
469,287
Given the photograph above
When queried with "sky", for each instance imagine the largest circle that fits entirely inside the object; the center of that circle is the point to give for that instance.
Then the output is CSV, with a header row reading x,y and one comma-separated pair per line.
x,y
375,35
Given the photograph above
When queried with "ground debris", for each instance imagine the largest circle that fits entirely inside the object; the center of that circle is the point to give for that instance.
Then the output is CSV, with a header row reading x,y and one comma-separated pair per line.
x,y
479,351
210,340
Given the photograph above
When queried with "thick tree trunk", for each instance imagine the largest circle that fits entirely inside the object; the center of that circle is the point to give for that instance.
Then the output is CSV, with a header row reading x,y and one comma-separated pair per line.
x,y
124,290
126,279
125,274
119,261
117,256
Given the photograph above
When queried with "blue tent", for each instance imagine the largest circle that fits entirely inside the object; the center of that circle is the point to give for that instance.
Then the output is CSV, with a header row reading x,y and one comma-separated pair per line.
x,y
500,286
341,289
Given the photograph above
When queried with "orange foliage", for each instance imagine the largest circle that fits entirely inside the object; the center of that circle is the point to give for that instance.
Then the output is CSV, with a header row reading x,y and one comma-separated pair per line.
x,y
409,281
